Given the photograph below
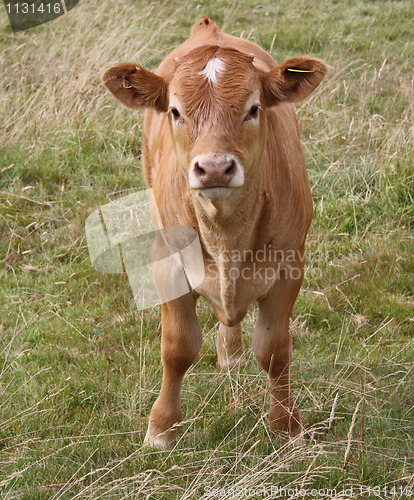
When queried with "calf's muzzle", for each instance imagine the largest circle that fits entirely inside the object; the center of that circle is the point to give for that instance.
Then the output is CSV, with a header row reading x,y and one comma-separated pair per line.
x,y
215,171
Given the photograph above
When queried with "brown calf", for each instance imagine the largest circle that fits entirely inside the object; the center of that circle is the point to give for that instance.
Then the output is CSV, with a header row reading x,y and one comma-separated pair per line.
x,y
222,155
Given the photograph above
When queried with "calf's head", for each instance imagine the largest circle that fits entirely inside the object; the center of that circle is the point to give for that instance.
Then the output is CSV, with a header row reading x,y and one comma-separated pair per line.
x,y
216,100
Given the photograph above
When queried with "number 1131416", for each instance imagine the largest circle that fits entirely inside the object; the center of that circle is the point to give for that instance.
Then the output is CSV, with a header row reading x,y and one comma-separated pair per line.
x,y
34,8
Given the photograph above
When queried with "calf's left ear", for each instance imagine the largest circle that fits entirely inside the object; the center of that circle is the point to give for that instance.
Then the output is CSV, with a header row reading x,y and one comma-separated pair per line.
x,y
136,87
293,80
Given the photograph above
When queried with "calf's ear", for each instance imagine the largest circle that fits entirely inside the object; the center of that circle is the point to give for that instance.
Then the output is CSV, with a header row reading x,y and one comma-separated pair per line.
x,y
293,80
136,87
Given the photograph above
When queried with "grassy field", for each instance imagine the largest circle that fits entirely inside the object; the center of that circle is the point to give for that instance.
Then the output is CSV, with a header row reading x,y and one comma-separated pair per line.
x,y
80,366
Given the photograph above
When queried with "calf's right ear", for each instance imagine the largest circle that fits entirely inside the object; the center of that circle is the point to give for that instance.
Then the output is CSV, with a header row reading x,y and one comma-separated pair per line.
x,y
136,87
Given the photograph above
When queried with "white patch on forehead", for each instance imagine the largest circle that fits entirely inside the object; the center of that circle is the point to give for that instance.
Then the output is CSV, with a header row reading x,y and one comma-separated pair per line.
x,y
212,69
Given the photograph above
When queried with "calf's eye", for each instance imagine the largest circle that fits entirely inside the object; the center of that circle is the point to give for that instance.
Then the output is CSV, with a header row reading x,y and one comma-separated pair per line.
x,y
253,113
175,113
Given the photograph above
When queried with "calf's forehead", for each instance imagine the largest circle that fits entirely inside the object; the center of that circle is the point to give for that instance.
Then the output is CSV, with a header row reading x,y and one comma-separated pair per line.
x,y
212,77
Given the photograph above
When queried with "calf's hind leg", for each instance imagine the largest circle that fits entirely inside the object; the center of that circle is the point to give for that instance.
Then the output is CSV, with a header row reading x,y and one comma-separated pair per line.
x,y
180,345
229,344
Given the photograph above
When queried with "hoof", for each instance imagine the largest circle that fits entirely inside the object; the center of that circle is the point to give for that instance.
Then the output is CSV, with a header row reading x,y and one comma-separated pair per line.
x,y
287,423
225,363
161,439
296,442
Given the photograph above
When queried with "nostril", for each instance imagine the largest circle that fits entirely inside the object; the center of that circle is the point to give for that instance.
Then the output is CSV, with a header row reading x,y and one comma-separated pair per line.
x,y
231,170
198,170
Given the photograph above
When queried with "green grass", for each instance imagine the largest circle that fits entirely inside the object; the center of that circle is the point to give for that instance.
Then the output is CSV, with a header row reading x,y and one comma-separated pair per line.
x,y
80,366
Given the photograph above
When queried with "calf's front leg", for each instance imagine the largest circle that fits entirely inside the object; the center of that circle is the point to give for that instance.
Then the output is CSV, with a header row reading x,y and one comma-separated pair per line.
x,y
180,345
272,346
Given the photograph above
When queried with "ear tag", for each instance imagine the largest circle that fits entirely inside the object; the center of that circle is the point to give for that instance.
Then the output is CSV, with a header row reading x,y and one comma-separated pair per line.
x,y
294,70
